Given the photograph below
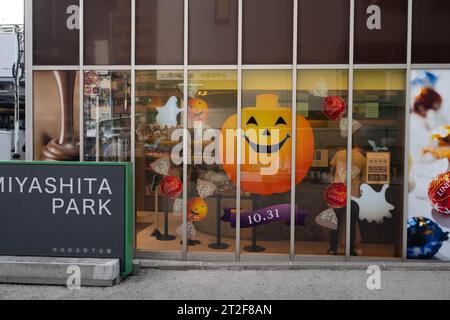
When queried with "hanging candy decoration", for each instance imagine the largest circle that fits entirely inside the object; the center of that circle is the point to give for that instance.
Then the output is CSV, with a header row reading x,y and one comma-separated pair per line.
x,y
439,193
327,219
197,110
343,125
161,166
197,209
177,208
320,89
335,195
425,238
205,188
171,187
334,107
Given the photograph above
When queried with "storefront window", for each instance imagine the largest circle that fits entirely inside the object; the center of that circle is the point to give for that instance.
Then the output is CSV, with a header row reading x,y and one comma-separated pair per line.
x,y
378,162
159,32
56,32
56,128
322,99
213,32
107,32
380,31
267,31
430,23
212,105
159,186
266,161
107,116
429,179
323,31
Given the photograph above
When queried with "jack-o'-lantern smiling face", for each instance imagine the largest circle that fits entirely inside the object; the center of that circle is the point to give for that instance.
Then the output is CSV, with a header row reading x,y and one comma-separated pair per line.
x,y
266,158
266,133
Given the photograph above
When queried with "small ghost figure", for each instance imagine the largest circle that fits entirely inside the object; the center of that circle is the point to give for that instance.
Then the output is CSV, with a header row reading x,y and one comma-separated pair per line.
x,y
167,115
373,206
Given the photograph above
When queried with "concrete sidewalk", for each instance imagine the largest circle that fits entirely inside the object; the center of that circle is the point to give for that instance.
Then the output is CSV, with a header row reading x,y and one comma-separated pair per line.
x,y
253,284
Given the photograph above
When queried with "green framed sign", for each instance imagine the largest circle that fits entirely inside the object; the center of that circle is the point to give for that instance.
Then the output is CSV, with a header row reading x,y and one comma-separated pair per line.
x,y
67,209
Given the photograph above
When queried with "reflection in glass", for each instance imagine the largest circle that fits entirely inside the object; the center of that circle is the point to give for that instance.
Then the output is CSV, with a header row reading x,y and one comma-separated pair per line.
x,y
267,31
159,32
266,161
55,32
212,103
322,98
159,219
107,32
213,31
379,106
107,116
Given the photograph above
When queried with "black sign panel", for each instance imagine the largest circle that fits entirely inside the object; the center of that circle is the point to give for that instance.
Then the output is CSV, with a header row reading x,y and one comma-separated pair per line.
x,y
62,210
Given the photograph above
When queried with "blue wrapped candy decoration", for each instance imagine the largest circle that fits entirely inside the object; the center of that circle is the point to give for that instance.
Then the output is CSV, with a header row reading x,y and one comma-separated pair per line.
x,y
425,238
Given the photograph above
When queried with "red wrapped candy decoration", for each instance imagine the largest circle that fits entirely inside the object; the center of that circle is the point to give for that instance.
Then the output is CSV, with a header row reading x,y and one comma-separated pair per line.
x,y
335,195
439,193
171,187
334,107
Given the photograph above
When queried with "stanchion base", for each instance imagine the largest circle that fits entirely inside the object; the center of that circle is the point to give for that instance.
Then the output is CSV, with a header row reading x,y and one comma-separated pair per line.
x,y
162,237
254,249
192,243
219,246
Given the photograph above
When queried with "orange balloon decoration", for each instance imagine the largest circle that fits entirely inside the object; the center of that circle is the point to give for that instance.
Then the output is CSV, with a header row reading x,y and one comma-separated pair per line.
x,y
197,209
267,147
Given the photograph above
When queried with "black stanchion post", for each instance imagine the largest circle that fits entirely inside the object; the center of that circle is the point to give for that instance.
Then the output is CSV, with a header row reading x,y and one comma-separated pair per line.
x,y
219,245
254,247
166,236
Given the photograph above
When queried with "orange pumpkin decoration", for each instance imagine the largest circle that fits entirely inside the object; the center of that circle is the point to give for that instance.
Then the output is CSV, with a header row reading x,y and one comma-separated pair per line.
x,y
267,147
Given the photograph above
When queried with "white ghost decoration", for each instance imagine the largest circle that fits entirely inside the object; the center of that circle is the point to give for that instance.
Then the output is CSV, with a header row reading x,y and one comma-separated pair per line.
x,y
373,206
167,115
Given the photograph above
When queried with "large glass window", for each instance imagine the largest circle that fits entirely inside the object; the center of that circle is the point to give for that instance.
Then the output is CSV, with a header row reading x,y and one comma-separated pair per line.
x,y
380,31
322,99
212,105
378,161
267,31
430,24
159,217
107,32
266,161
159,32
107,116
213,31
56,32
323,31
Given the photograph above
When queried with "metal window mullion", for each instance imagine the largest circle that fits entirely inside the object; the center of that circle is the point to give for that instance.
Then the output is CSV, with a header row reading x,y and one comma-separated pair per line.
x,y
81,78
133,111
185,132
238,133
322,66
407,133
294,130
350,130
29,119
